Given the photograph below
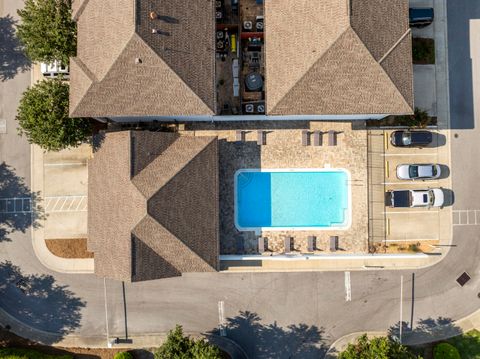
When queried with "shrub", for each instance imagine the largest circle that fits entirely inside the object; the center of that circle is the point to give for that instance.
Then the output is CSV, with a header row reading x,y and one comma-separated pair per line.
x,y
16,353
123,355
179,346
445,351
43,117
378,348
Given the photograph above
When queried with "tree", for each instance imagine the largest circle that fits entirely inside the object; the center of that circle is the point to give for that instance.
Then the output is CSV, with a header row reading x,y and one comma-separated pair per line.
x,y
376,348
47,30
179,346
445,351
43,117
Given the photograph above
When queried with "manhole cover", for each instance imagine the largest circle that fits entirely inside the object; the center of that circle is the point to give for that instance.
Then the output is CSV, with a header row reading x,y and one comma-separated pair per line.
x,y
463,279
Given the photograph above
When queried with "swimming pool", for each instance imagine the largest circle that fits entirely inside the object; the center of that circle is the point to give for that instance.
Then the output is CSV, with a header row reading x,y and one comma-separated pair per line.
x,y
280,199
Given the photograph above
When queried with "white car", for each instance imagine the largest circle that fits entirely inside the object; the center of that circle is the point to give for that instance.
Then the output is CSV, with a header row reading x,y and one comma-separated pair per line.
x,y
433,197
418,172
54,69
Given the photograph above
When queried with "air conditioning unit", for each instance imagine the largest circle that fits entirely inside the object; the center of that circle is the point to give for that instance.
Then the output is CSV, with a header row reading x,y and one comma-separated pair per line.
x,y
261,108
247,25
249,108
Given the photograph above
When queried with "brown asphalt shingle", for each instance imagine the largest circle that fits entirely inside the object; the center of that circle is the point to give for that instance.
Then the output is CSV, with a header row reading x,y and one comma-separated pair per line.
x,y
328,61
156,225
176,72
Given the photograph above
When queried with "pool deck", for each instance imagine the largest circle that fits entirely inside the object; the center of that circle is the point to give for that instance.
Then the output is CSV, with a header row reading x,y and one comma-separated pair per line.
x,y
284,149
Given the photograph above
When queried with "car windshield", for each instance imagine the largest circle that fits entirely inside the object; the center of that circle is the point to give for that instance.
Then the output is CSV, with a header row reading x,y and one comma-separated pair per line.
x,y
413,171
434,170
406,138
432,197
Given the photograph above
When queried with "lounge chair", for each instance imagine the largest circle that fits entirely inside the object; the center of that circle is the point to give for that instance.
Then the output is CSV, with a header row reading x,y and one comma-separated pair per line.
x,y
332,138
239,136
287,242
261,245
317,138
261,138
305,137
311,243
333,243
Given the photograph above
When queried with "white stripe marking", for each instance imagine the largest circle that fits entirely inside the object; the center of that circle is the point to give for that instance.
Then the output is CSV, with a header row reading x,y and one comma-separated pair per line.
x,y
65,164
432,211
221,319
348,289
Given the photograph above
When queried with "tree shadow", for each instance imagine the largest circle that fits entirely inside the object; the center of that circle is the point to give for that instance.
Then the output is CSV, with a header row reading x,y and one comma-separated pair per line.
x,y
260,340
12,58
19,208
39,302
425,331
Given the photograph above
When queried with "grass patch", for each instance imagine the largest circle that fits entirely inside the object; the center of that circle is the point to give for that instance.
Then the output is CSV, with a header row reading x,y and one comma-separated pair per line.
x,y
423,51
468,344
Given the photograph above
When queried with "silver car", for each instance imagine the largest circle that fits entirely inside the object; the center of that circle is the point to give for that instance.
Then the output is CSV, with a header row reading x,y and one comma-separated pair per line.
x,y
418,171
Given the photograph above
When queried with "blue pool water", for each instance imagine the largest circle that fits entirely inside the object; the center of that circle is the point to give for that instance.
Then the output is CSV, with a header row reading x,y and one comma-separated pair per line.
x,y
291,199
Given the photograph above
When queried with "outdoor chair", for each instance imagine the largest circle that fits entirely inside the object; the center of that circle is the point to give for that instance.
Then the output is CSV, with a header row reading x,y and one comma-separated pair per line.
x,y
317,138
305,138
332,138
261,245
311,243
261,138
287,242
239,136
333,243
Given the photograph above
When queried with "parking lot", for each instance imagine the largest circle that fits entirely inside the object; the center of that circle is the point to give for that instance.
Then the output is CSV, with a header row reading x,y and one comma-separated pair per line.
x,y
427,226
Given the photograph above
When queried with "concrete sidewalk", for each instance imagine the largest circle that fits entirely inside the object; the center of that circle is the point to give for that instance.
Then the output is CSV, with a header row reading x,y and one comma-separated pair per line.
x,y
43,254
438,333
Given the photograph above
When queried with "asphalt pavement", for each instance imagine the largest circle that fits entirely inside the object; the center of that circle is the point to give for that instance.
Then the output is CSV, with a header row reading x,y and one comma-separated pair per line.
x,y
271,315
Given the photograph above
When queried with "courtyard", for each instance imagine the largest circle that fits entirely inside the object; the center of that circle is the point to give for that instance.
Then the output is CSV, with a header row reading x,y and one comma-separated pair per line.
x,y
283,148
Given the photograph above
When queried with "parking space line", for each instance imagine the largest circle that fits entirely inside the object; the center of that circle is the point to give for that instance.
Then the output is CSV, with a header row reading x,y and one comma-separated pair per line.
x,y
9,205
410,183
412,212
408,154
221,318
348,287
412,240
65,164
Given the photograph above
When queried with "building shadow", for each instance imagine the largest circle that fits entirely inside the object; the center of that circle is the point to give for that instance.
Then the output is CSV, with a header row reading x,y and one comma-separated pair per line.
x,y
39,302
425,331
261,340
19,206
12,58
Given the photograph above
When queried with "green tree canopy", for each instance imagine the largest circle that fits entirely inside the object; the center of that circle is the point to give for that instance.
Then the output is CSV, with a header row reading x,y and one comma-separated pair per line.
x,y
179,346
43,117
376,348
47,30
445,351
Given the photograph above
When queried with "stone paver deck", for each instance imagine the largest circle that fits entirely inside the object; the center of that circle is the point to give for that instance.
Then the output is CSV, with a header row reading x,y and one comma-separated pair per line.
x,y
284,149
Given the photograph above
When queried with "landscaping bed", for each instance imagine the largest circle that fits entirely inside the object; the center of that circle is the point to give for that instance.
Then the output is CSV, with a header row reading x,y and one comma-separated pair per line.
x,y
69,248
423,51
467,345
10,340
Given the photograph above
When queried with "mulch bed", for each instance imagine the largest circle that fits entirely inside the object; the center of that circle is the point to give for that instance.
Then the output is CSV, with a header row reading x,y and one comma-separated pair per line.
x,y
8,339
69,248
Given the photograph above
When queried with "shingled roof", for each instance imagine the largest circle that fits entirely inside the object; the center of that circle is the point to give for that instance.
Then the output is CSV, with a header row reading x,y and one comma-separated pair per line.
x,y
153,205
123,69
338,57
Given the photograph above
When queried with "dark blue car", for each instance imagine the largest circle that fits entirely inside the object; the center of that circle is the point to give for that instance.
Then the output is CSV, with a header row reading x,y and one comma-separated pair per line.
x,y
404,138
421,17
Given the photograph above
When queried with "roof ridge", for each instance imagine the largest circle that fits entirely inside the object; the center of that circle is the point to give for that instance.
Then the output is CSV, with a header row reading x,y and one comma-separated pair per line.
x,y
378,62
175,72
169,149
148,217
80,9
399,41
308,70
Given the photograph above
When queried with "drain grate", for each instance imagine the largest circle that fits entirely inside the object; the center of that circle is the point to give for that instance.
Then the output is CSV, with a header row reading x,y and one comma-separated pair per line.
x,y
463,279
